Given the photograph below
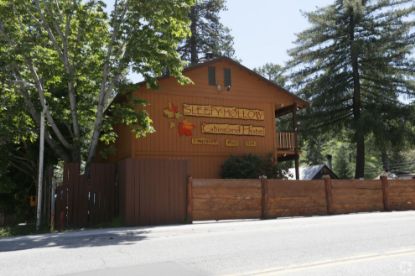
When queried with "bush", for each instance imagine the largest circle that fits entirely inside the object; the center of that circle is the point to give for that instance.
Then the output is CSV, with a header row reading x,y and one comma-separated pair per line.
x,y
251,167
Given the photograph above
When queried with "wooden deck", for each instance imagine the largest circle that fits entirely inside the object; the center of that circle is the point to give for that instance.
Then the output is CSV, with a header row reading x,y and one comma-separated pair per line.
x,y
286,144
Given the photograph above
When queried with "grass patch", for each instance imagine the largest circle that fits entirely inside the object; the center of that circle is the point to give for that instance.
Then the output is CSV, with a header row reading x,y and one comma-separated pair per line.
x,y
20,230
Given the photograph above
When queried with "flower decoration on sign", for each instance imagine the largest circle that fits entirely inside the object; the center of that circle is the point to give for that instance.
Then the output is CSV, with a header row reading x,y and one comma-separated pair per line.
x,y
172,112
184,126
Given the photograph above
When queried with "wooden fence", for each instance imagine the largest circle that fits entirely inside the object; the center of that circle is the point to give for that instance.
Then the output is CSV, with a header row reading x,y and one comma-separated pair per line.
x,y
84,201
159,191
140,191
153,191
217,199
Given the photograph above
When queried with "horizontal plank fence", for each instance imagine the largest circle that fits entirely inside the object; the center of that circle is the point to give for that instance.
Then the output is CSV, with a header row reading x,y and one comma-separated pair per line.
x,y
219,199
352,196
226,199
155,192
294,198
401,195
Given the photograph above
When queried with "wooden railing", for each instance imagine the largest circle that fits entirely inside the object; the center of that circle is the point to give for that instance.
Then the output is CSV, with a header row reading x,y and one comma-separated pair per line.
x,y
286,141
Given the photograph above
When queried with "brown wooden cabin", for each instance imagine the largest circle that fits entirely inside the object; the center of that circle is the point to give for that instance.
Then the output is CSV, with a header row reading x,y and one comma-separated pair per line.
x,y
229,110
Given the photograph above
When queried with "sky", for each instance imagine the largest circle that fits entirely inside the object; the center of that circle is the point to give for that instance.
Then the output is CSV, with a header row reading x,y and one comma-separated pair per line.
x,y
264,30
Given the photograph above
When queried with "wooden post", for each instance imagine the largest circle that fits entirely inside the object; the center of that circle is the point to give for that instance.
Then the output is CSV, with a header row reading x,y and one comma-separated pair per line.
x,y
264,197
295,126
189,214
297,156
52,206
297,167
40,169
385,192
329,195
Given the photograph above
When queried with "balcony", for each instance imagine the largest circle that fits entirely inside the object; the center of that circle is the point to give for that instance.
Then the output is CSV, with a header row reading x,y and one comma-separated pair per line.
x,y
286,142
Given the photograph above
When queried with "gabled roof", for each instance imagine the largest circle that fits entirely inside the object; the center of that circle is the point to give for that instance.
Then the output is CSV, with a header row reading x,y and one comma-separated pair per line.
x,y
300,102
309,173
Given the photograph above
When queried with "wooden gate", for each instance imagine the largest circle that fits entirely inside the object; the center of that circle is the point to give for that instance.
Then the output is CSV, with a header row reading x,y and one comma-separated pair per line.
x,y
84,201
153,191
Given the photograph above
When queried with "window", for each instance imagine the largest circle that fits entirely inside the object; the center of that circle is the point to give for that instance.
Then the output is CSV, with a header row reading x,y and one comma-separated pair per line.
x,y
227,77
211,75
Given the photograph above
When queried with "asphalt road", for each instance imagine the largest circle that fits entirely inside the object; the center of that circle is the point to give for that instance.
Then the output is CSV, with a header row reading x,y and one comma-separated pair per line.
x,y
357,244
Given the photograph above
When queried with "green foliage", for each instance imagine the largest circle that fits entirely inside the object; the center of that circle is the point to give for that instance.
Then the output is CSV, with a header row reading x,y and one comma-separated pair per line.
x,y
21,230
312,151
18,175
208,34
353,64
341,163
70,59
252,167
74,57
273,72
343,152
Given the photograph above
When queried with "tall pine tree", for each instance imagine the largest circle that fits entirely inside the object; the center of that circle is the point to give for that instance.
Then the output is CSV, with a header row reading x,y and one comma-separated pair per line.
x,y
354,63
209,35
273,72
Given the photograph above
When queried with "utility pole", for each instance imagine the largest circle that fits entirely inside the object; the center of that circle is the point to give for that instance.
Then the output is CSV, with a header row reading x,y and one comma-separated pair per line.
x,y
40,172
52,206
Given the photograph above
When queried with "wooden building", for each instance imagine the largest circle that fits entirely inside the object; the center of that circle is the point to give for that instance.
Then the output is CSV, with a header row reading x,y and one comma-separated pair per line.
x,y
229,110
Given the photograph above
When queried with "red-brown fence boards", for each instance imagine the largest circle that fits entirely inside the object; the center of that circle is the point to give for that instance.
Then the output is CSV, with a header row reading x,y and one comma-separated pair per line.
x,y
226,199
401,194
153,191
295,198
160,191
215,199
102,191
86,200
350,196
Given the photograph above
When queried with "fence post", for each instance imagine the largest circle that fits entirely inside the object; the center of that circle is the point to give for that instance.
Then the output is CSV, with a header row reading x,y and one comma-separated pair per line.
x,y
189,214
385,192
329,195
264,197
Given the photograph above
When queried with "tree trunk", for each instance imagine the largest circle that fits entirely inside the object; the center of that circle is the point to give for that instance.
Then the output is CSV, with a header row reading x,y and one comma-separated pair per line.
x,y
357,104
194,59
385,161
57,149
76,150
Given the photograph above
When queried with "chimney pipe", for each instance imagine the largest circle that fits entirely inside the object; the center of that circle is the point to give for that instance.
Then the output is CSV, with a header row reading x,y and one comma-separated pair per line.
x,y
209,55
329,161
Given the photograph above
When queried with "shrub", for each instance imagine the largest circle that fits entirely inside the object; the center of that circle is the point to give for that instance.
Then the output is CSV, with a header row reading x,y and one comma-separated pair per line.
x,y
251,166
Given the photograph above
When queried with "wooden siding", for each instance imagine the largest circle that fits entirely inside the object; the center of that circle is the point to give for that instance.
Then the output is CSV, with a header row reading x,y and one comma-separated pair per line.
x,y
247,91
123,145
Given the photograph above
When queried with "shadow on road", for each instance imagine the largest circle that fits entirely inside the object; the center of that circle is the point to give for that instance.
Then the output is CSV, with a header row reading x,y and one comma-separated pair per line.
x,y
72,240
